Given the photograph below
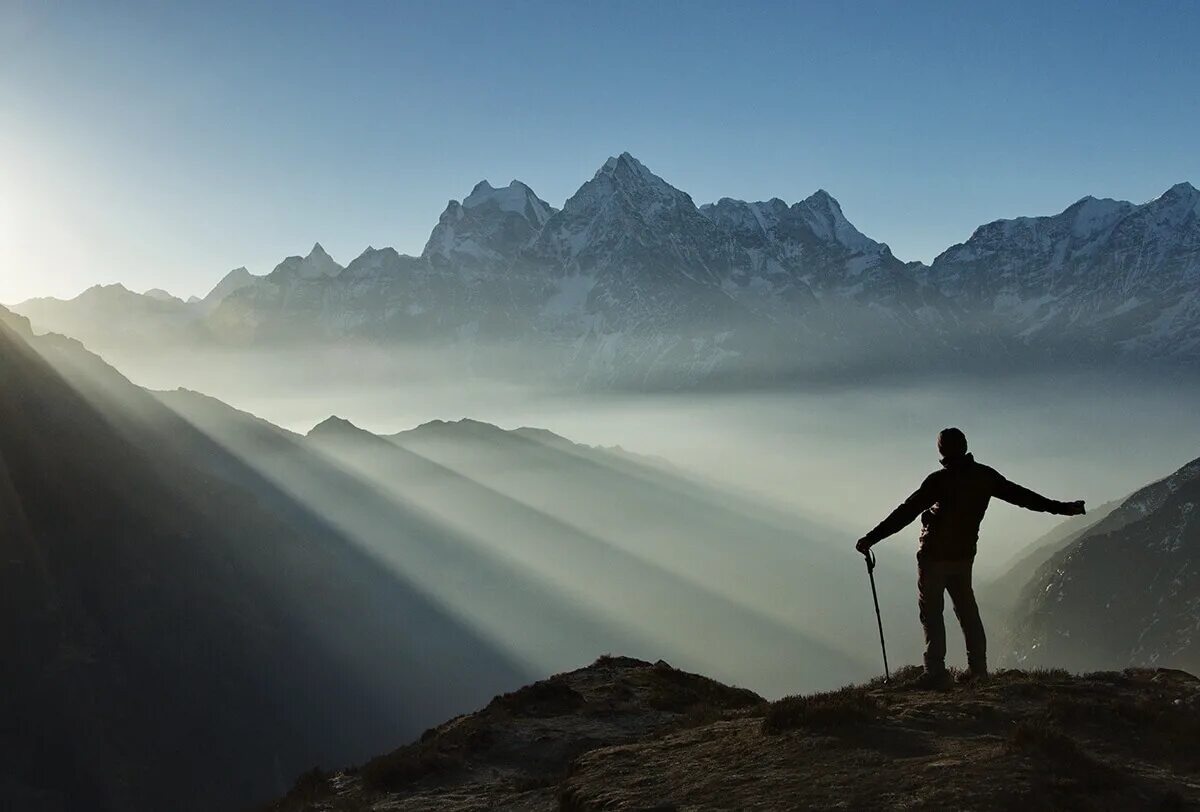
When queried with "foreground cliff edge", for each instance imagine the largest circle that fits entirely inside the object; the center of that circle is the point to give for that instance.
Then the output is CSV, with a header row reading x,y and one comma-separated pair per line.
x,y
627,734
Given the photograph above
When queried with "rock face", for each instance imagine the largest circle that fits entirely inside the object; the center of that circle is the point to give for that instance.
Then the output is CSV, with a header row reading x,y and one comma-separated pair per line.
x,y
623,734
1124,592
632,282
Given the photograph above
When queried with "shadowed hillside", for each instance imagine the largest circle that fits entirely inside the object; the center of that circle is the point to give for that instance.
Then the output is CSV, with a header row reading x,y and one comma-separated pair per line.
x,y
165,625
1122,592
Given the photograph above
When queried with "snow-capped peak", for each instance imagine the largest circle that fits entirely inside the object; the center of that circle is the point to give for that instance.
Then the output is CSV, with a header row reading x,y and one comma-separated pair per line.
x,y
823,214
516,198
1092,215
627,166
1183,194
489,227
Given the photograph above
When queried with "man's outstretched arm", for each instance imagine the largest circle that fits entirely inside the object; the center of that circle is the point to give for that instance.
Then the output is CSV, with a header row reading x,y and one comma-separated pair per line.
x,y
1017,495
912,507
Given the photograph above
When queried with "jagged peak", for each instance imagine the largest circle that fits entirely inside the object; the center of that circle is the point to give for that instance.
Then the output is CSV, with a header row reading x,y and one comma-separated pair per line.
x,y
1181,192
516,197
235,280
824,216
627,166
116,287
313,266
821,199
371,253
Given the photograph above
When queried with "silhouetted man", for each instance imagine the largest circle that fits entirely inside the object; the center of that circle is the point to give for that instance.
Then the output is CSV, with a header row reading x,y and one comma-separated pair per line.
x,y
951,503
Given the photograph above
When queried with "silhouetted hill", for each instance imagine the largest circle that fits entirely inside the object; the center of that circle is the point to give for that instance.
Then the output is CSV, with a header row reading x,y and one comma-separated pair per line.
x,y
623,734
181,634
658,553
653,554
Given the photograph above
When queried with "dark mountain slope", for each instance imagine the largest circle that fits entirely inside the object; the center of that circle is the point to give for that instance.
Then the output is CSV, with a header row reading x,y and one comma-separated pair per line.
x,y
164,627
1003,592
1125,592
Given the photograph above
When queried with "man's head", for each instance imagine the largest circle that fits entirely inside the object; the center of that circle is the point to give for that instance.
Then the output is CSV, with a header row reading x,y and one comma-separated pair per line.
x,y
951,443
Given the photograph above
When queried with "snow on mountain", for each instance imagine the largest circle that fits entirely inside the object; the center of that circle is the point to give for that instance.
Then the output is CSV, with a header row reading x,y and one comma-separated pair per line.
x,y
640,248
1102,276
631,279
488,228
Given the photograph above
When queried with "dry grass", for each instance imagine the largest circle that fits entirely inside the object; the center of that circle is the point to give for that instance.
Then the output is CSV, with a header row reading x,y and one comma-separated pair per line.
x,y
1054,751
675,691
902,675
439,751
551,697
845,706
310,787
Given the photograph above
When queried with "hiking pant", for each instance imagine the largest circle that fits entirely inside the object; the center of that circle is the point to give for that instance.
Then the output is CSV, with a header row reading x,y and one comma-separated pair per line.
x,y
934,579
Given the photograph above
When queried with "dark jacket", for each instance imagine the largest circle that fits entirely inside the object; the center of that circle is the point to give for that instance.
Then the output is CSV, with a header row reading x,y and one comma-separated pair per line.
x,y
951,503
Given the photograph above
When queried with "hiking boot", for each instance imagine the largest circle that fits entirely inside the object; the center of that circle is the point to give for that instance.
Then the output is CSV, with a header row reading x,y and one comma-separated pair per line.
x,y
932,681
971,676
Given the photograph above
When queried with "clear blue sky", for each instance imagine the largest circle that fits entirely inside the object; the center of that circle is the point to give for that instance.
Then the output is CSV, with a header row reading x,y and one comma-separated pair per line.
x,y
161,144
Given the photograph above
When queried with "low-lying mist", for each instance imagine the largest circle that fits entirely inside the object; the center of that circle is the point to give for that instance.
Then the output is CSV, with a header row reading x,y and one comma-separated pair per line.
x,y
830,459
844,452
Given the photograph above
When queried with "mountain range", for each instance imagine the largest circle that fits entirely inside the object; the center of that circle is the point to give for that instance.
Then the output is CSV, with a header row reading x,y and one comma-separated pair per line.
x,y
630,281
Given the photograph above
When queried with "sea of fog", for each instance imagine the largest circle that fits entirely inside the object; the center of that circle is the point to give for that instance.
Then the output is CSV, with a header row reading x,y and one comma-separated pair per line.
x,y
843,454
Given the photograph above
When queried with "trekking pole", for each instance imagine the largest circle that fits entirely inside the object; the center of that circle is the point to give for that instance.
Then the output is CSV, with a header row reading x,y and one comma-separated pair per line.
x,y
887,677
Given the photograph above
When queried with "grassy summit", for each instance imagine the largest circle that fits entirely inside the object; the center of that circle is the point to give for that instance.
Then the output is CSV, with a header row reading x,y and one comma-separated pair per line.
x,y
624,734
